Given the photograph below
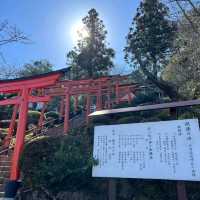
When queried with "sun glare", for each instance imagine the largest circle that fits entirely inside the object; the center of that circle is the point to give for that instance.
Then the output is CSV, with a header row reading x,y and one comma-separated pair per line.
x,y
78,31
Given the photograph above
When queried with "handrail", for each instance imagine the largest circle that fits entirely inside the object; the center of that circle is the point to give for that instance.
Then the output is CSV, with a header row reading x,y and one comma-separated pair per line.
x,y
39,129
28,131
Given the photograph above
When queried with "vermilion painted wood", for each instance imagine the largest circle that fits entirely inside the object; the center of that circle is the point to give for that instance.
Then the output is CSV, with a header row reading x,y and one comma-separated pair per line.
x,y
67,111
11,127
76,103
14,101
117,92
17,100
14,175
88,108
99,96
14,86
61,109
25,87
97,87
35,99
41,120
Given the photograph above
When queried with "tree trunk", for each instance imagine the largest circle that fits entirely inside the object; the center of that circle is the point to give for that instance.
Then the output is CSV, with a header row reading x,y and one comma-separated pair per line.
x,y
165,86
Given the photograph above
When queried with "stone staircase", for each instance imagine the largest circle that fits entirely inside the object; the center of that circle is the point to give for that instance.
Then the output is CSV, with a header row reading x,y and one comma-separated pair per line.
x,y
5,164
5,156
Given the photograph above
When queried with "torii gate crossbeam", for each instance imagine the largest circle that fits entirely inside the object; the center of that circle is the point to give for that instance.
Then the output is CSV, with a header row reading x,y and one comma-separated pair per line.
x,y
24,88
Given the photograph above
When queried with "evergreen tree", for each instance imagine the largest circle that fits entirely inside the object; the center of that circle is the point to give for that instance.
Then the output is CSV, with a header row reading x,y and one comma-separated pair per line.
x,y
35,68
150,42
91,57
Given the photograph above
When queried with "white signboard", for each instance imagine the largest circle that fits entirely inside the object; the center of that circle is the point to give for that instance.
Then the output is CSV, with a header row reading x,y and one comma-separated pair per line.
x,y
156,150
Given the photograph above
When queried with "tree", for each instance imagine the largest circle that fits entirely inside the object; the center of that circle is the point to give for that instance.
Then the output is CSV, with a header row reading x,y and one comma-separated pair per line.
x,y
35,68
91,57
181,8
150,43
7,71
184,67
9,34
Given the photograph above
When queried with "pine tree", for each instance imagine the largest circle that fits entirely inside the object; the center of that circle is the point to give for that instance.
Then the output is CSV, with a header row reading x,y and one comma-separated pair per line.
x,y
150,43
91,57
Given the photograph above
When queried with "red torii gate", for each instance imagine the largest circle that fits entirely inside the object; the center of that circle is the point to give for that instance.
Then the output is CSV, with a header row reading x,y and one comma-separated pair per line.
x,y
23,88
104,86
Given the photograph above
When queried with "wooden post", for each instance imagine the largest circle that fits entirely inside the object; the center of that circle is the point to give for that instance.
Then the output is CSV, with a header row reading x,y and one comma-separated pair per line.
x,y
112,189
109,96
88,108
181,191
61,109
129,96
99,97
76,103
117,91
20,135
180,185
11,127
67,112
41,120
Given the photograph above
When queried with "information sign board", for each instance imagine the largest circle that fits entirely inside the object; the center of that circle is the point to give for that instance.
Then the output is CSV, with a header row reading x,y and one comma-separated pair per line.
x,y
154,150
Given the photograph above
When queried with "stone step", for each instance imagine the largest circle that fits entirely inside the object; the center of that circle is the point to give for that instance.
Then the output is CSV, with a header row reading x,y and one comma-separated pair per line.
x,y
4,168
2,187
3,179
1,195
5,163
4,173
5,158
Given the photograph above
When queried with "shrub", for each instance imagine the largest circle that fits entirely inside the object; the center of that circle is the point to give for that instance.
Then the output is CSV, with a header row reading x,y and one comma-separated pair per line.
x,y
6,123
57,163
33,117
52,114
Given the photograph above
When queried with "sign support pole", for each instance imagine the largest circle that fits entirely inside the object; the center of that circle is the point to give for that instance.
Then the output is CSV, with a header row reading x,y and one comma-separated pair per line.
x,y
181,191
112,189
180,185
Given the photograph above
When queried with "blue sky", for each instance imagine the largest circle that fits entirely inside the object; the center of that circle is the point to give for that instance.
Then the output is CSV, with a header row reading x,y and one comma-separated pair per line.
x,y
48,24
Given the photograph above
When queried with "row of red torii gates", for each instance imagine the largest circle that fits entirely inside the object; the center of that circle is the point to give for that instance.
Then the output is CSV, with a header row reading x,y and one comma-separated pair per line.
x,y
107,91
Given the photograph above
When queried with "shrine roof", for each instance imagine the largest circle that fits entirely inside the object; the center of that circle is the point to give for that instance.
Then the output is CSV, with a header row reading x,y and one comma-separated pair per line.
x,y
60,71
148,107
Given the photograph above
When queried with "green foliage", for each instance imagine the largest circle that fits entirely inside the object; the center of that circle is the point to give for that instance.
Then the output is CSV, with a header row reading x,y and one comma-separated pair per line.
x,y
151,35
183,69
150,44
53,104
3,133
91,58
52,114
53,117
5,111
33,117
5,123
35,68
58,163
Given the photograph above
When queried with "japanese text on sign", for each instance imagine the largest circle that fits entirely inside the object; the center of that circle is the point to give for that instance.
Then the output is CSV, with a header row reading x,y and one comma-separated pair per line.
x,y
155,150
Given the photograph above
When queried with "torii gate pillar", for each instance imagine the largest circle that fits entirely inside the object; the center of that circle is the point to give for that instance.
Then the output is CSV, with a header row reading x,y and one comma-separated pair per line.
x,y
24,88
20,135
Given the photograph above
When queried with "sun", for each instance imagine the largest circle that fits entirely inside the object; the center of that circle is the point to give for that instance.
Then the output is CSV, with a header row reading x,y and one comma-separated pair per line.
x,y
78,31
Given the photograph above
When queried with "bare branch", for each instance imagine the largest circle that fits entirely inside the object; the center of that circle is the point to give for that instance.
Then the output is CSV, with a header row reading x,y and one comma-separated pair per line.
x,y
7,71
194,7
11,34
187,17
